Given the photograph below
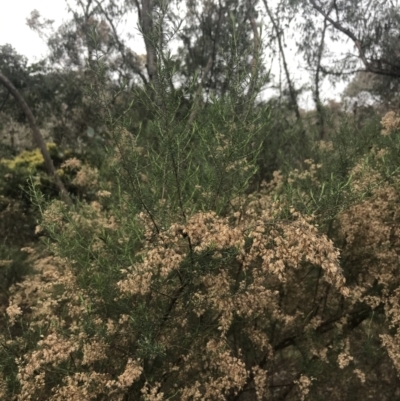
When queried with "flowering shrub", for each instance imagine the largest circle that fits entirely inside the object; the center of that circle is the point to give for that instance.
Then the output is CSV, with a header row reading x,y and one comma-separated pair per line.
x,y
243,306
206,309
175,283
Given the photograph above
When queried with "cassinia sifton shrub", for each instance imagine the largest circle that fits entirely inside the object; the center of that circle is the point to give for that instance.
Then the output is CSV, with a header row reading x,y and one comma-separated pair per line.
x,y
176,284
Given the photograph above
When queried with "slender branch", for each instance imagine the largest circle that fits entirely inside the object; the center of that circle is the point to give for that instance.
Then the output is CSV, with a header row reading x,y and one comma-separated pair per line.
x,y
338,73
255,62
121,46
5,101
292,92
317,97
358,43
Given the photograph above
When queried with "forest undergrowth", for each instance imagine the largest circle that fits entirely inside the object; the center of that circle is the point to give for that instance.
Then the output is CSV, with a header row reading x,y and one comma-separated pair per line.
x,y
179,272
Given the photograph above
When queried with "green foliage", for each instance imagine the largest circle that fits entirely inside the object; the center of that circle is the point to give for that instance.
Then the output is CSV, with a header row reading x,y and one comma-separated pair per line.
x,y
172,166
321,186
17,216
16,171
313,324
186,266
13,267
56,99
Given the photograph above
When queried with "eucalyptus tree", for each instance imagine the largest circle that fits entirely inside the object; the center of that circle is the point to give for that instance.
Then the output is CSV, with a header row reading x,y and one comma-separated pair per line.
x,y
372,26
199,33
55,96
369,31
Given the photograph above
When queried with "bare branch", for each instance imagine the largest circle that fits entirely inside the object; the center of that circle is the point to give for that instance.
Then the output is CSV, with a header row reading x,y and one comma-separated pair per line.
x,y
292,92
121,46
255,62
317,97
394,72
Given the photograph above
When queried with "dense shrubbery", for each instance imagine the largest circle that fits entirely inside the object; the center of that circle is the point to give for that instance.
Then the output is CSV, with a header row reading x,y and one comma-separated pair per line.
x,y
18,217
254,302
175,284
171,277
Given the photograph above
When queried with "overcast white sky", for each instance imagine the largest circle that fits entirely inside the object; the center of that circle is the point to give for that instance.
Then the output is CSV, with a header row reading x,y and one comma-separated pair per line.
x,y
13,30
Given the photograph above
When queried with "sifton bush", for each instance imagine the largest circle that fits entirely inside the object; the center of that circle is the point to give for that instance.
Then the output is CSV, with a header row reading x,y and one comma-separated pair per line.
x,y
253,303
176,284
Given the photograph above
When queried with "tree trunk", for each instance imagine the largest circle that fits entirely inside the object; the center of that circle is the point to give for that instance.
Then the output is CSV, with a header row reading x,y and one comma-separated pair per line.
x,y
147,26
